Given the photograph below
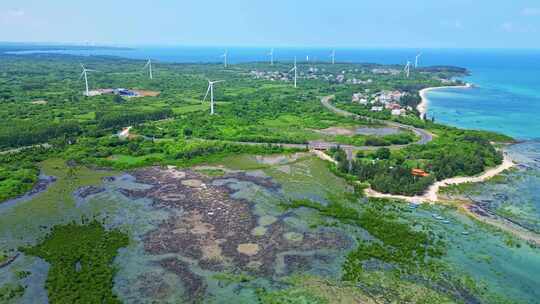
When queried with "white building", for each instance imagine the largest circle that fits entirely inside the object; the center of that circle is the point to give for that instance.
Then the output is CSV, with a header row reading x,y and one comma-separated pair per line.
x,y
400,112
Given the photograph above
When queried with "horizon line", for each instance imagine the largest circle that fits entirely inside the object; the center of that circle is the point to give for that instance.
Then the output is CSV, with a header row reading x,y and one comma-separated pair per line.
x,y
299,46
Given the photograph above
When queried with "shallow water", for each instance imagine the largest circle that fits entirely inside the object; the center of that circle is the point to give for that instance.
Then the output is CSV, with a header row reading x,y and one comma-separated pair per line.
x,y
142,279
377,131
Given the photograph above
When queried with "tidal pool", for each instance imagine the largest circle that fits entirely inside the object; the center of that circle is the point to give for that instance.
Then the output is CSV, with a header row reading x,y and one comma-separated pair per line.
x,y
377,131
219,238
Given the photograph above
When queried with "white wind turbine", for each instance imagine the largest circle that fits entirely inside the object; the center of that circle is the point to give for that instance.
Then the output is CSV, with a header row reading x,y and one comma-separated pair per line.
x,y
408,69
149,66
271,54
85,75
295,69
211,91
416,60
333,55
225,55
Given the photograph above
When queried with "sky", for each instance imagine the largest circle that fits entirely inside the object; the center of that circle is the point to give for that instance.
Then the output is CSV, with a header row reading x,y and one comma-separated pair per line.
x,y
336,23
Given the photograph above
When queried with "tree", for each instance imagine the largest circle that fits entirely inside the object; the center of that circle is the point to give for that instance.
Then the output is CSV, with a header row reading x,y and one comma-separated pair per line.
x,y
383,153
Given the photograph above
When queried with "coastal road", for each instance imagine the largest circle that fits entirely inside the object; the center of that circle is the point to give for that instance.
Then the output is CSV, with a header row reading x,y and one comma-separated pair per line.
x,y
425,136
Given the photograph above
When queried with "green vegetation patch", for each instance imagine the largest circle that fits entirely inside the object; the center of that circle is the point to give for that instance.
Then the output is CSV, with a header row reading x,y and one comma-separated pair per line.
x,y
19,172
81,259
10,292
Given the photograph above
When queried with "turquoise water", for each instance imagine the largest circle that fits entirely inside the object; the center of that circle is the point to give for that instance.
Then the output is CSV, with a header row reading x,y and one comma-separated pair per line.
x,y
506,98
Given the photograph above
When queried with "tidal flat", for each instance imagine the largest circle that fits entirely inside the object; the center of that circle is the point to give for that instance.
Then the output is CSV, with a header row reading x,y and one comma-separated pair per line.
x,y
228,232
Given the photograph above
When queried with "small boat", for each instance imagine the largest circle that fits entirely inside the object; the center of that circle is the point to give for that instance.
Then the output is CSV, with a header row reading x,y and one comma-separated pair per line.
x,y
465,233
446,221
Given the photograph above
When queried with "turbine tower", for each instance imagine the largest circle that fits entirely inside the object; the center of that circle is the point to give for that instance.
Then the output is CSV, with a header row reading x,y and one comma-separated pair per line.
x,y
211,91
225,55
333,55
85,75
149,66
271,54
295,69
416,60
408,69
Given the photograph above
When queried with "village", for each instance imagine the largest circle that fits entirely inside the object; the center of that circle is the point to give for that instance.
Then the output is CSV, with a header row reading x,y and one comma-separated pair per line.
x,y
384,100
314,73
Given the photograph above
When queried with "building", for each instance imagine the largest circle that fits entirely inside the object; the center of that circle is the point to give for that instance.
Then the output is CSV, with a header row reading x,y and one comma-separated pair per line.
x,y
377,109
399,112
419,173
125,92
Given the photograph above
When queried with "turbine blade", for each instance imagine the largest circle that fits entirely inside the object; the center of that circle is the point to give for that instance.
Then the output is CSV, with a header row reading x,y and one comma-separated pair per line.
x,y
207,92
82,75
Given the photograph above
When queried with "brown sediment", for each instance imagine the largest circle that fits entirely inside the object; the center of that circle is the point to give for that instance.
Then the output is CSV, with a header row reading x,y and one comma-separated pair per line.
x,y
147,93
87,191
297,263
152,285
207,225
194,285
249,249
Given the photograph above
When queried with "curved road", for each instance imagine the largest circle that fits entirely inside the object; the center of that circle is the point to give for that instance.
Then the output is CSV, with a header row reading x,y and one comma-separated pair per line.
x,y
425,136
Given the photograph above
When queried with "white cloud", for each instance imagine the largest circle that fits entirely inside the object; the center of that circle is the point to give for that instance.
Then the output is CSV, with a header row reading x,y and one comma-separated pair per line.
x,y
508,27
455,24
531,11
16,13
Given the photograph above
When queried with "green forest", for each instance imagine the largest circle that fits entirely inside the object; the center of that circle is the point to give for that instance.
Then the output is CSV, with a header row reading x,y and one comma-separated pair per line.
x,y
46,117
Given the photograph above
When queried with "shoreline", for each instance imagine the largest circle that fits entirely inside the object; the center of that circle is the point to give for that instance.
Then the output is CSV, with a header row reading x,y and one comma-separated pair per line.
x,y
531,237
432,194
423,105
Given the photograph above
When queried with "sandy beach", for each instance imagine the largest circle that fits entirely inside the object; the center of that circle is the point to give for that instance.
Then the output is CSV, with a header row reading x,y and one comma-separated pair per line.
x,y
431,195
423,106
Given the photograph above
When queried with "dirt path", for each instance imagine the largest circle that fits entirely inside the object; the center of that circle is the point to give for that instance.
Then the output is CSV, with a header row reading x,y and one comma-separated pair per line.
x,y
432,194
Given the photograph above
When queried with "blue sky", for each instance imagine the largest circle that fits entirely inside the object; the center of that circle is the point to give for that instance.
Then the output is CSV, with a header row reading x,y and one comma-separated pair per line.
x,y
337,23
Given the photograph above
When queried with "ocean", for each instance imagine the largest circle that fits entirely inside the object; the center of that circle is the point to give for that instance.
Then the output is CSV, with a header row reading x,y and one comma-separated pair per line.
x,y
506,99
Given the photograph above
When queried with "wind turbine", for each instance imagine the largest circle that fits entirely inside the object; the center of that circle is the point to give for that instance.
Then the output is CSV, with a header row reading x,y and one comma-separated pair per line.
x,y
416,60
225,55
271,54
295,69
85,75
149,66
211,91
408,69
333,55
